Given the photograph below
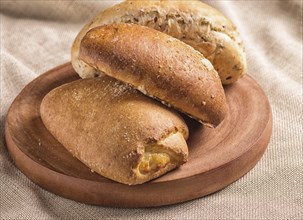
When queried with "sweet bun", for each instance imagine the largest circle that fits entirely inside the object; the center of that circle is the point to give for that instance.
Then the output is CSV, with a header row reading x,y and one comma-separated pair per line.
x,y
115,130
159,66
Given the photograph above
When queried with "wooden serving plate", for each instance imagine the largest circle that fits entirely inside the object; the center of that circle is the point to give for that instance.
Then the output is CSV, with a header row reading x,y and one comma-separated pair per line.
x,y
217,157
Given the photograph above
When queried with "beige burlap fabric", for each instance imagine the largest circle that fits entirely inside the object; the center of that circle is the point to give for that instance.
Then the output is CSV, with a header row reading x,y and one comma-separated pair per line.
x,y
37,36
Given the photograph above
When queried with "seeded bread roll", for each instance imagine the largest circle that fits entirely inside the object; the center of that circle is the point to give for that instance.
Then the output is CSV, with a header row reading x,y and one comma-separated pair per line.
x,y
193,22
159,66
115,130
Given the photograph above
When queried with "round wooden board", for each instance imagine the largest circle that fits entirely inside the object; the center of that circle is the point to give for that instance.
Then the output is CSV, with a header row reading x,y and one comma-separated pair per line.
x,y
217,157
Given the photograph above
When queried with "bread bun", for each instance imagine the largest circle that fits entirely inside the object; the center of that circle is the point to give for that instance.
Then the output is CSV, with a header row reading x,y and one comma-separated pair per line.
x,y
115,130
158,65
193,22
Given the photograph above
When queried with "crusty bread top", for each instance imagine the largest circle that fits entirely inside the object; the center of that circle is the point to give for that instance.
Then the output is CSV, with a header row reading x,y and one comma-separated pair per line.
x,y
195,23
158,65
111,127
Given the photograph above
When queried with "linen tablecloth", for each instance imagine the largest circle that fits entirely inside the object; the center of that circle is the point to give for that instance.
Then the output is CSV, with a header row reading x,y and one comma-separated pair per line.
x,y
37,35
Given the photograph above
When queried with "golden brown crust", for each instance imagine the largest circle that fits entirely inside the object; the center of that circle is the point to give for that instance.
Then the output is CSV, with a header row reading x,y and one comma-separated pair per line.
x,y
159,66
195,23
114,129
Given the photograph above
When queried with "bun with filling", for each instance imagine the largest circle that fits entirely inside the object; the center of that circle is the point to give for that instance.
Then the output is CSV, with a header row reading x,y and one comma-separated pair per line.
x,y
115,130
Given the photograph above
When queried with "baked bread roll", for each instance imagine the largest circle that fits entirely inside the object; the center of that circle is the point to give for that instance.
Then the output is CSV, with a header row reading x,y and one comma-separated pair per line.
x,y
195,23
115,130
159,66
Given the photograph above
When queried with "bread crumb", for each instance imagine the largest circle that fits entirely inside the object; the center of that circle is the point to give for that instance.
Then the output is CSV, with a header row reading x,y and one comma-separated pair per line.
x,y
130,154
141,88
120,88
165,103
207,64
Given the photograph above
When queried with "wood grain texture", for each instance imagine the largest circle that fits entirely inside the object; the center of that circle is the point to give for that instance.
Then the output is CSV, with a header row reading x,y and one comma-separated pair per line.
x,y
217,157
